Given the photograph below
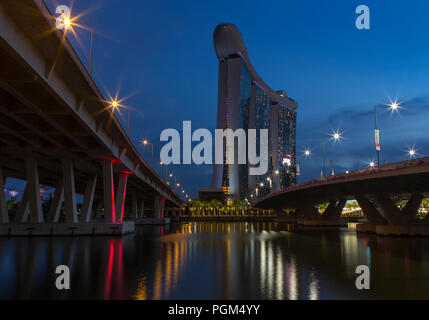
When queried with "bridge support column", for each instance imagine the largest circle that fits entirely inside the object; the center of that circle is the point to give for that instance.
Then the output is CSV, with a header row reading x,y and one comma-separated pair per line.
x,y
57,201
88,198
158,208
99,209
23,209
308,212
141,209
369,210
134,206
333,211
32,173
69,191
4,217
390,211
120,196
109,192
411,208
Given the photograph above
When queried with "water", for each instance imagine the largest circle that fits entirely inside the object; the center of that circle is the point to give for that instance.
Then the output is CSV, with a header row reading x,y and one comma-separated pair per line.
x,y
216,261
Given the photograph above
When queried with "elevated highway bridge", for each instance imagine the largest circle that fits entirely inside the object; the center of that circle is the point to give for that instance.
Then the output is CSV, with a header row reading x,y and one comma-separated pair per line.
x,y
57,129
375,189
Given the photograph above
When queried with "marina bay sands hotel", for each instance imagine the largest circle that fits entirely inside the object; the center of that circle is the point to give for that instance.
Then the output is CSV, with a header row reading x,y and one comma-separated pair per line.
x,y
245,101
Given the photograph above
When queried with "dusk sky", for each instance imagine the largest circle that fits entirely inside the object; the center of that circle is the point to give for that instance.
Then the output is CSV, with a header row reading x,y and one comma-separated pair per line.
x,y
161,53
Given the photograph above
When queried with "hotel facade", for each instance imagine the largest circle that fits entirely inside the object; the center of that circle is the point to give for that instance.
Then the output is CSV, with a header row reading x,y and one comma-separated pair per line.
x,y
245,101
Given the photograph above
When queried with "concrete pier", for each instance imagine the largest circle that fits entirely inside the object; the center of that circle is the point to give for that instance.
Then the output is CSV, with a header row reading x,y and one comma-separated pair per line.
x,y
67,229
366,227
323,223
152,221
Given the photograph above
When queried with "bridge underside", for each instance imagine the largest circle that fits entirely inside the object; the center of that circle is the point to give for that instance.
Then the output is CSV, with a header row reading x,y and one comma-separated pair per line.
x,y
57,130
377,193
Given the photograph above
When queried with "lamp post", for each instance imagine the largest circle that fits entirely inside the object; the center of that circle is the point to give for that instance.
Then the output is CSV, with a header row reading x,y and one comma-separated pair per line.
x,y
393,106
336,136
67,23
116,104
145,142
166,166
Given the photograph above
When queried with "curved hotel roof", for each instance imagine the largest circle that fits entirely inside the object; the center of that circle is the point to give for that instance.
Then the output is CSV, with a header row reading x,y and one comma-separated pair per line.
x,y
227,42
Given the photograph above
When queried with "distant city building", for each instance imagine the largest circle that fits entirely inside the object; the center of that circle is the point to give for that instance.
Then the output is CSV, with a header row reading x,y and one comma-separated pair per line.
x,y
245,101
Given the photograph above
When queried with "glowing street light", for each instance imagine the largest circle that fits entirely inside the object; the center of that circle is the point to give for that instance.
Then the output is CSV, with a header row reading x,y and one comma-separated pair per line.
x,y
146,142
335,136
307,152
371,164
412,153
393,106
116,104
66,23
166,168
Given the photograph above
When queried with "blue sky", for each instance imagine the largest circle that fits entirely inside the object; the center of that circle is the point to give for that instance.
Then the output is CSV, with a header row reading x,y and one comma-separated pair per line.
x,y
162,53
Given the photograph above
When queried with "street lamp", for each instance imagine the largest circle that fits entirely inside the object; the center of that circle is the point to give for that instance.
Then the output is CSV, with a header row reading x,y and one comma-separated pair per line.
x,y
67,23
166,166
412,153
393,106
307,152
371,164
335,136
145,142
116,105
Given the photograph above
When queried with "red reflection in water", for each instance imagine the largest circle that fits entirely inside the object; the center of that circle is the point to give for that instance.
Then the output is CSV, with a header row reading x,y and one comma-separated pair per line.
x,y
109,270
114,259
162,205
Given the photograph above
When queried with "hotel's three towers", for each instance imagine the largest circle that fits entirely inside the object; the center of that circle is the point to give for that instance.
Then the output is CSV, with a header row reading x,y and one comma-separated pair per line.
x,y
245,101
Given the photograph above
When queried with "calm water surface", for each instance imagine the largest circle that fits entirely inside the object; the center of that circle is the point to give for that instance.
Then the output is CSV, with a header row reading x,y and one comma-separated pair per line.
x,y
216,261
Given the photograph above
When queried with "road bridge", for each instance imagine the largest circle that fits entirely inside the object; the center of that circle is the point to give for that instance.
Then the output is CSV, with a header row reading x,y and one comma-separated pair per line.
x,y
375,189
57,129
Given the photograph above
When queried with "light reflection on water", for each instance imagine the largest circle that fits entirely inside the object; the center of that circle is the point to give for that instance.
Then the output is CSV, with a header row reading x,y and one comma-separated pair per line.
x,y
216,261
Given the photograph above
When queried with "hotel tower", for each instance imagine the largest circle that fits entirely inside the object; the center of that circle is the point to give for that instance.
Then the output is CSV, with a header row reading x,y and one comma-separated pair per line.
x,y
245,101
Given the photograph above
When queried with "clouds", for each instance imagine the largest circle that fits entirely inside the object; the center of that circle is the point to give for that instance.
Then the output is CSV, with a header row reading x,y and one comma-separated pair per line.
x,y
399,132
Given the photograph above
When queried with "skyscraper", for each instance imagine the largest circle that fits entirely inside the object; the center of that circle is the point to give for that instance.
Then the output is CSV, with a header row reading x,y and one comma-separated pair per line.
x,y
245,101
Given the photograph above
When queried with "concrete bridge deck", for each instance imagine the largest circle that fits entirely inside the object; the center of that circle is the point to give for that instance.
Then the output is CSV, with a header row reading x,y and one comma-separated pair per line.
x,y
57,129
375,189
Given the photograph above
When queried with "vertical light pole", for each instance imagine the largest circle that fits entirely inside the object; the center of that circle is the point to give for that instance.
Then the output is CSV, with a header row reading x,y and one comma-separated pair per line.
x,y
145,143
336,136
166,166
393,106
324,156
68,23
